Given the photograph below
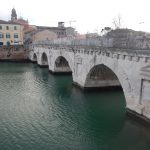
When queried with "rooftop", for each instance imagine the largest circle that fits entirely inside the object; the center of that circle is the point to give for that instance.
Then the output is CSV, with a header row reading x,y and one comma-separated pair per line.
x,y
8,22
46,27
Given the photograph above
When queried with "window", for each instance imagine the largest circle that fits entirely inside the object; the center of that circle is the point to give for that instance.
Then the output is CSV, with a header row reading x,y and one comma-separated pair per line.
x,y
7,27
15,35
8,43
15,28
7,35
0,27
1,35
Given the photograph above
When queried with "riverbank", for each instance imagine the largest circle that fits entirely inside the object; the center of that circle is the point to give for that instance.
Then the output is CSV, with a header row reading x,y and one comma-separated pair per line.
x,y
13,53
15,60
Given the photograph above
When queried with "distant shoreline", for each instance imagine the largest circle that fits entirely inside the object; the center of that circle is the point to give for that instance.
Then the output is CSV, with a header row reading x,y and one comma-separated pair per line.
x,y
15,60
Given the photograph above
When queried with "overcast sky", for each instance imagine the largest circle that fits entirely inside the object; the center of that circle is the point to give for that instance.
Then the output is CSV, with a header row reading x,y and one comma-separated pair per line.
x,y
89,15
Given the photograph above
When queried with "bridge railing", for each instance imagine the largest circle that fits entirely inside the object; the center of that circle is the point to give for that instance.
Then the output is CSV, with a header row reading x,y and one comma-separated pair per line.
x,y
104,41
85,47
78,42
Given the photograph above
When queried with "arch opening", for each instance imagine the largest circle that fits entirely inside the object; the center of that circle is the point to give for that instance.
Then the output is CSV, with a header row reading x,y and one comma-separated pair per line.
x,y
62,65
34,58
44,60
101,76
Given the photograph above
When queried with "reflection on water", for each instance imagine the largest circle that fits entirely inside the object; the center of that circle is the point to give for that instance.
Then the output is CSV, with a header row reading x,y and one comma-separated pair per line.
x,y
42,111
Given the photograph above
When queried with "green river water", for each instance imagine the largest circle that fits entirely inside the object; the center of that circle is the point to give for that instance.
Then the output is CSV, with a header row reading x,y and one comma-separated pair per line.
x,y
40,111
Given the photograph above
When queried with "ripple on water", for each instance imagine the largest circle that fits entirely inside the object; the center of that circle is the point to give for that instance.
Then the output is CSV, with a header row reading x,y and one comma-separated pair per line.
x,y
42,111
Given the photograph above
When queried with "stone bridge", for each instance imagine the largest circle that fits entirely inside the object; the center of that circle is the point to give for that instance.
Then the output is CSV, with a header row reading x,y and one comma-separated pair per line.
x,y
102,67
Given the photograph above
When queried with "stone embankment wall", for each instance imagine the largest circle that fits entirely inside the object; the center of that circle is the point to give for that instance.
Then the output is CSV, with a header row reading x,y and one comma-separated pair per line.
x,y
13,53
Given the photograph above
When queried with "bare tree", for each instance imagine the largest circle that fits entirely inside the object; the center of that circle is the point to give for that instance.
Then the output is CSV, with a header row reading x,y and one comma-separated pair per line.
x,y
105,30
117,22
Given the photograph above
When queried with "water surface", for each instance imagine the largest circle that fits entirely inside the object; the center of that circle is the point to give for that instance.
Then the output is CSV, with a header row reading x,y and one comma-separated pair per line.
x,y
40,111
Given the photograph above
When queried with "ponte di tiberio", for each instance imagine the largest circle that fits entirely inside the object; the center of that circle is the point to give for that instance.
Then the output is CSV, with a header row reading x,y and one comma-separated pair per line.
x,y
102,63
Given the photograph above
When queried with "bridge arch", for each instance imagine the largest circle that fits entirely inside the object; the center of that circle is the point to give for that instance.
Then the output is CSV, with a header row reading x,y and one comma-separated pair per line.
x,y
44,59
104,75
34,57
101,76
62,65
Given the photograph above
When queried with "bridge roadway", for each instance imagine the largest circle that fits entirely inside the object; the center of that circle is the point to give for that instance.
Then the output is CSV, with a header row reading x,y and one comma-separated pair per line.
x,y
102,67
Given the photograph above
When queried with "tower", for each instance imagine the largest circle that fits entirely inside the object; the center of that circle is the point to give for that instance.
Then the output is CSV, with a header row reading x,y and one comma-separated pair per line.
x,y
13,15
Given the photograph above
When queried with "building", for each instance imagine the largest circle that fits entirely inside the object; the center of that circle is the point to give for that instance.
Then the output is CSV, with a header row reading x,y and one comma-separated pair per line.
x,y
33,33
20,20
129,39
37,33
11,33
45,35
91,35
